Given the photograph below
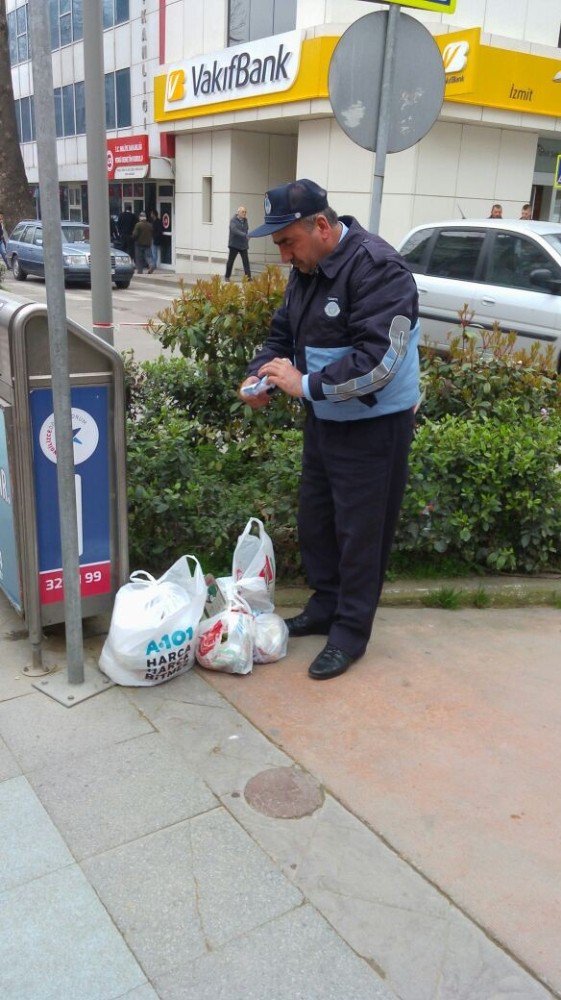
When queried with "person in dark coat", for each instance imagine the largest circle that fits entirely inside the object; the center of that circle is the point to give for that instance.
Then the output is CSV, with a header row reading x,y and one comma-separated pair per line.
x,y
345,342
157,236
238,242
126,223
142,236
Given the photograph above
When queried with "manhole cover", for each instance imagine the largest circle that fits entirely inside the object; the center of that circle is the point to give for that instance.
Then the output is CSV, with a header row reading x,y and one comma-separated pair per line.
x,y
284,793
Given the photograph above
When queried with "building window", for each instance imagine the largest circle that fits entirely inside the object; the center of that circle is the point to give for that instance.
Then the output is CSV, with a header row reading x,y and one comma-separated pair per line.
x,y
118,99
115,12
25,119
70,110
18,35
207,199
66,22
251,19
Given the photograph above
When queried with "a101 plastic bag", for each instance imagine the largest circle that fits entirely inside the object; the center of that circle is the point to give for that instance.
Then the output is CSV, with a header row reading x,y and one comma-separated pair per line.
x,y
153,626
253,567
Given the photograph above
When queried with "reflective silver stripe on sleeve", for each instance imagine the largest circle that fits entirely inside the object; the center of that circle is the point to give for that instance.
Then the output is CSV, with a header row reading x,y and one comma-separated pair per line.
x,y
379,377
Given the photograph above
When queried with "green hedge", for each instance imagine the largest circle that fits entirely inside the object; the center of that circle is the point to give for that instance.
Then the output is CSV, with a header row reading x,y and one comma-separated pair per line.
x,y
485,480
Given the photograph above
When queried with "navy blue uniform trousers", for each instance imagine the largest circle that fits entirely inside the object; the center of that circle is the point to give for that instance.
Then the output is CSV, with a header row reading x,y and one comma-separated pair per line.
x,y
354,475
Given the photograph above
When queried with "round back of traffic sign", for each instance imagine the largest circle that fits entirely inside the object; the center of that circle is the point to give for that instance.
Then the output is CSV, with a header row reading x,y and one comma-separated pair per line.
x,y
355,81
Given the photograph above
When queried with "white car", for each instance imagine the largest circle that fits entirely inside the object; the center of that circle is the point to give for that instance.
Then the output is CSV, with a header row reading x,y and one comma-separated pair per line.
x,y
506,271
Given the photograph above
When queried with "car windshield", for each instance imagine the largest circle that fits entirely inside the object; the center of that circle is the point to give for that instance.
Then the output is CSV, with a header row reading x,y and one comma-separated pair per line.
x,y
75,234
554,239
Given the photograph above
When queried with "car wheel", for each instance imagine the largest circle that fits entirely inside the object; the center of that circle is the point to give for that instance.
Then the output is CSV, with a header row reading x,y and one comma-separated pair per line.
x,y
122,284
19,273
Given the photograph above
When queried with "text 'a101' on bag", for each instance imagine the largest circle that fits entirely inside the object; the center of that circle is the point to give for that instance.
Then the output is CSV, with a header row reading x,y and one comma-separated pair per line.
x,y
153,626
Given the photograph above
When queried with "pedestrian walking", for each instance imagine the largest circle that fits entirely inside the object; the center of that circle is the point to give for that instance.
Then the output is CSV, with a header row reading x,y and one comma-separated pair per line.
x,y
126,222
3,253
238,242
345,342
142,236
157,235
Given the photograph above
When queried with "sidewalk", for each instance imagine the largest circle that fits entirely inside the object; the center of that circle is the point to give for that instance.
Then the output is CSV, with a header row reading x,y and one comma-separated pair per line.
x,y
139,862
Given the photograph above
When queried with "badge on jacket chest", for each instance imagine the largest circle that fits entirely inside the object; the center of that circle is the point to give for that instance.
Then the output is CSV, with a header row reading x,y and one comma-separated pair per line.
x,y
332,308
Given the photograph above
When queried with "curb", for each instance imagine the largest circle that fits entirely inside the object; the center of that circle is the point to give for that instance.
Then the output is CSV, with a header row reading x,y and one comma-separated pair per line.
x,y
453,593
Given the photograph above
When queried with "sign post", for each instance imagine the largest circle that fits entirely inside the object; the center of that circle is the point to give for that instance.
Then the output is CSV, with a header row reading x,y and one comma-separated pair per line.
x,y
386,86
58,344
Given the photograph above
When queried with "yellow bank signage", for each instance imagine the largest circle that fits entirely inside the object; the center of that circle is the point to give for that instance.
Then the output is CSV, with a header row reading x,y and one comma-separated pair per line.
x,y
442,6
499,78
265,66
265,72
288,68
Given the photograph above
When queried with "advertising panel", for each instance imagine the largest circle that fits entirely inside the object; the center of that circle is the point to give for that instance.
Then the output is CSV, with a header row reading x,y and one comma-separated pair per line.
x,y
91,462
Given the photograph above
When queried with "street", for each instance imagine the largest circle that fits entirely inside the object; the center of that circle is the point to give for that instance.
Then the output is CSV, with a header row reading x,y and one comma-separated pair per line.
x,y
132,307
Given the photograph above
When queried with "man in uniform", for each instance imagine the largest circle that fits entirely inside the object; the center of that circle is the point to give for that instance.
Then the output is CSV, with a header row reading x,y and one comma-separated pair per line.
x,y
345,342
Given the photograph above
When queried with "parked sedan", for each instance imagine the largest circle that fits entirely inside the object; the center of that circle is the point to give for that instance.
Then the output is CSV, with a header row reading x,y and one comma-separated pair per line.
x,y
24,250
506,271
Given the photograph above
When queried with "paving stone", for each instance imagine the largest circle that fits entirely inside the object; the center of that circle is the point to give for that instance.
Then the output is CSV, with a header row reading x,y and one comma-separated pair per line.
x,y
238,886
374,900
295,957
189,687
57,941
31,844
40,731
384,909
183,891
9,767
221,744
119,793
145,992
475,969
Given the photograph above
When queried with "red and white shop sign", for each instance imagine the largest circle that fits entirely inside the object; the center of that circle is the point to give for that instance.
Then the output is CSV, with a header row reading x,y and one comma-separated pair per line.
x,y
127,157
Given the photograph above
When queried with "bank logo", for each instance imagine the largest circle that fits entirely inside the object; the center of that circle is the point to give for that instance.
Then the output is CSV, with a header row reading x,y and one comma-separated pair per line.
x,y
455,57
175,86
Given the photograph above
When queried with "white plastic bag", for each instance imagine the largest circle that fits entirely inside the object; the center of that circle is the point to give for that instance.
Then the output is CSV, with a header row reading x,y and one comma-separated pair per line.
x,y
225,641
270,638
253,567
152,633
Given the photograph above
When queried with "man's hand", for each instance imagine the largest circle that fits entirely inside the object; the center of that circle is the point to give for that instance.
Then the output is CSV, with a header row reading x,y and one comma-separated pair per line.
x,y
284,375
255,402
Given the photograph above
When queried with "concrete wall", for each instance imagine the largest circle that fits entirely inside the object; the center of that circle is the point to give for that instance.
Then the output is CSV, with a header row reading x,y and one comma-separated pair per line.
x,y
533,20
457,168
243,165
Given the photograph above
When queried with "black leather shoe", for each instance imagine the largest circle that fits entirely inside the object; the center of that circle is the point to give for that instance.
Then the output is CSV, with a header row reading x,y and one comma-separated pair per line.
x,y
304,624
331,662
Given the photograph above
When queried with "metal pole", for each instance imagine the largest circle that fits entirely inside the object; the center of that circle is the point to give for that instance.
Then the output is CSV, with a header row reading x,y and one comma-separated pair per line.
x,y
384,120
58,338
98,196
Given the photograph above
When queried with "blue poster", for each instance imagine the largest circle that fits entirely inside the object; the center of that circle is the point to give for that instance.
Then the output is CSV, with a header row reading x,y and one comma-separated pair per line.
x,y
91,466
9,563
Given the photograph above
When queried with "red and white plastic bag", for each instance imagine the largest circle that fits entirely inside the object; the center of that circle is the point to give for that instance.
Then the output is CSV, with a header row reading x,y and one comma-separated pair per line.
x,y
225,641
253,567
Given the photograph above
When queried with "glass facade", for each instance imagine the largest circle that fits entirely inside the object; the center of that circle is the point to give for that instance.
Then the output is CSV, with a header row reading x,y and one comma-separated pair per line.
x,y
251,19
66,24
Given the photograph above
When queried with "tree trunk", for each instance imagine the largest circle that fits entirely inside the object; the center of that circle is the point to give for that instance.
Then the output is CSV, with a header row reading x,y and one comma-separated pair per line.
x,y
15,198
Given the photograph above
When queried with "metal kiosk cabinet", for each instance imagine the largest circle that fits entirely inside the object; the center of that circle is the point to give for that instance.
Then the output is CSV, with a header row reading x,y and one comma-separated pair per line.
x,y
30,549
